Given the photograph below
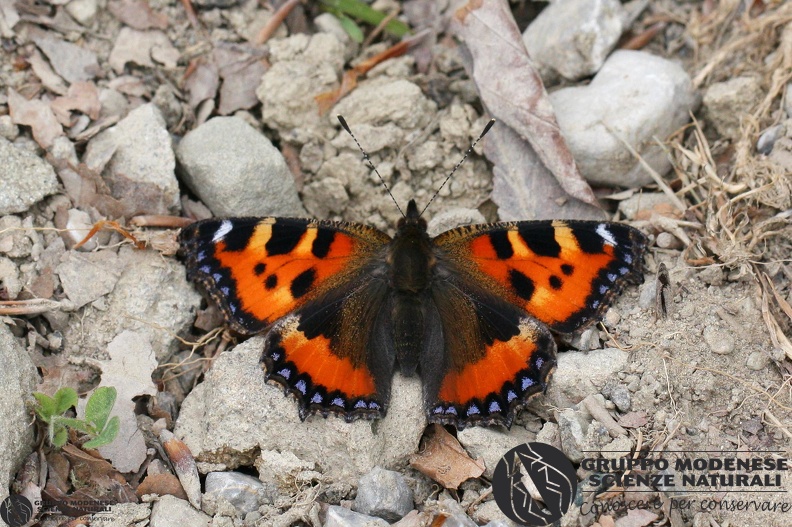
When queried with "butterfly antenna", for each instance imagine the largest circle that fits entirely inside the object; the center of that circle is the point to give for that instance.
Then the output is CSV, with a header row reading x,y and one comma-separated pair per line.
x,y
467,153
367,160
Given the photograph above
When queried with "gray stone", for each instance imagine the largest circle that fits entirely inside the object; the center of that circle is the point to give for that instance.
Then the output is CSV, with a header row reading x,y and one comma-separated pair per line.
x,y
326,196
757,360
236,171
643,201
725,103
635,97
18,378
152,296
571,426
619,395
137,162
489,514
169,511
87,276
9,278
572,38
302,67
244,492
385,494
719,340
456,514
491,444
234,413
123,515
581,374
8,129
341,517
617,448
83,11
382,100
26,179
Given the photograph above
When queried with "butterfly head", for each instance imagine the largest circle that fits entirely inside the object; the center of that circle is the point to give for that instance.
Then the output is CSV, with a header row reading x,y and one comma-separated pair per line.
x,y
412,220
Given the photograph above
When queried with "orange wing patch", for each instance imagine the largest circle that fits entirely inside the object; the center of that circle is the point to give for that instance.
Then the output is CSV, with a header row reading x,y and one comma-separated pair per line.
x,y
562,273
258,270
491,390
322,380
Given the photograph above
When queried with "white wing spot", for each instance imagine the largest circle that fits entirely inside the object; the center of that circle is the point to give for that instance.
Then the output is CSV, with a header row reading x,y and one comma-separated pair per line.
x,y
605,234
225,226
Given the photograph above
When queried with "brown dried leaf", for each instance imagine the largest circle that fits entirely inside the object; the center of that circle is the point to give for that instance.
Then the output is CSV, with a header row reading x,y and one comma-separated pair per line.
x,y
161,484
142,48
37,115
81,96
202,84
512,90
444,460
137,14
72,62
523,188
633,419
241,75
184,464
51,80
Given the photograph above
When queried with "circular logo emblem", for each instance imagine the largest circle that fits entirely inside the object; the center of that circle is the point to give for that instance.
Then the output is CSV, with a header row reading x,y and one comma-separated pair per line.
x,y
16,510
551,473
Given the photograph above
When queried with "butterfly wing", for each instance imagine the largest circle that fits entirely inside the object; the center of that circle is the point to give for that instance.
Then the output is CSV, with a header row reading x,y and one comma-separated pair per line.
x,y
563,273
259,269
489,359
513,281
318,286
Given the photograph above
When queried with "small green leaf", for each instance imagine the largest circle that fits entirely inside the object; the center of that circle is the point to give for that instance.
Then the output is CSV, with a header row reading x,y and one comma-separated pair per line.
x,y
99,406
77,424
352,29
59,438
107,435
47,406
65,398
363,12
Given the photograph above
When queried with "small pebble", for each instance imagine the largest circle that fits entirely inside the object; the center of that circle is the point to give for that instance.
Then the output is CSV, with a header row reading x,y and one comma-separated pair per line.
x,y
719,340
757,360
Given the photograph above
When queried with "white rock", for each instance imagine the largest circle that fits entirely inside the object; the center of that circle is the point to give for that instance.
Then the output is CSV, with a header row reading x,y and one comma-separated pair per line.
x,y
137,162
26,178
573,37
726,103
83,11
17,380
341,517
491,444
581,374
636,96
235,412
236,171
173,512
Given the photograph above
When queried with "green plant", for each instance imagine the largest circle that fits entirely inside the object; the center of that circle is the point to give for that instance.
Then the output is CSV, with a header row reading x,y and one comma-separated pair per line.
x,y
97,423
347,11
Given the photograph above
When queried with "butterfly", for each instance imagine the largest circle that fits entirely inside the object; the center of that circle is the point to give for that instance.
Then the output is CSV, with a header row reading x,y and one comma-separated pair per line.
x,y
472,310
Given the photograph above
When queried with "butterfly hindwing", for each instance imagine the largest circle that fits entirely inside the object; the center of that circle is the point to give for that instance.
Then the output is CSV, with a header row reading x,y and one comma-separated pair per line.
x,y
259,269
563,273
335,353
492,363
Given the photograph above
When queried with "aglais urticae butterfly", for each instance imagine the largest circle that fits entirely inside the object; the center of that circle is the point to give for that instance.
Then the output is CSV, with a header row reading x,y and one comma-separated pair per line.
x,y
343,305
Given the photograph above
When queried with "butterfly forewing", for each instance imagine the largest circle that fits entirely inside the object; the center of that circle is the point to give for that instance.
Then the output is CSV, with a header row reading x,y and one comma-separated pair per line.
x,y
259,269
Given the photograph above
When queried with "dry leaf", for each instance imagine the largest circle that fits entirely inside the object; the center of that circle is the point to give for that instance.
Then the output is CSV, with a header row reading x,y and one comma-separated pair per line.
x,y
636,518
37,115
51,80
241,75
184,464
512,90
161,484
81,96
633,420
444,460
202,84
523,188
137,14
129,371
70,61
8,18
142,48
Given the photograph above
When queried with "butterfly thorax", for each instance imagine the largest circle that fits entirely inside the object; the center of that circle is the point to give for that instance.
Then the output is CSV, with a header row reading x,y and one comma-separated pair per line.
x,y
410,256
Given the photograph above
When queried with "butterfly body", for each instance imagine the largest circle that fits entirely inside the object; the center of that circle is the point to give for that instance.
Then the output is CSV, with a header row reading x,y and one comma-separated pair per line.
x,y
471,311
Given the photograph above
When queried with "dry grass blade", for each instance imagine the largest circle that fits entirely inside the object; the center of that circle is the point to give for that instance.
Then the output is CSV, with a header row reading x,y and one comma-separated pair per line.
x,y
777,336
35,306
274,23
114,225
